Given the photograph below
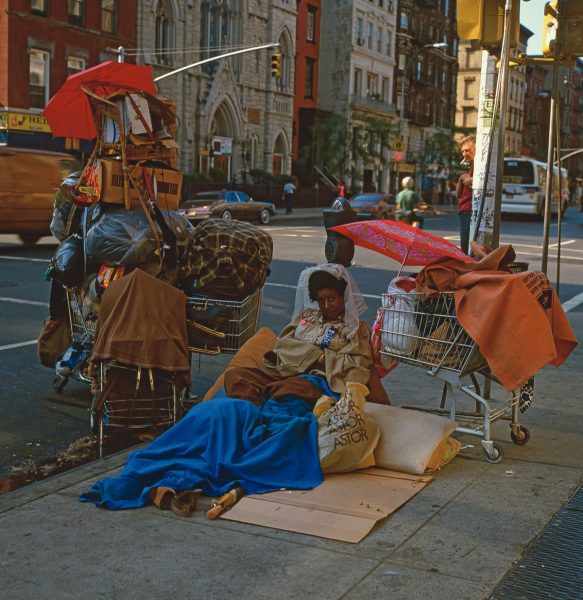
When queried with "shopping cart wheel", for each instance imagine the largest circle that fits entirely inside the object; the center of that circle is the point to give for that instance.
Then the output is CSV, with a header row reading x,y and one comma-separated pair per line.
x,y
495,454
59,384
520,435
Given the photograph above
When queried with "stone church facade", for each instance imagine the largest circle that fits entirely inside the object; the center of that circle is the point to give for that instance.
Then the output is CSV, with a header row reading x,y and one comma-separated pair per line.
x,y
233,115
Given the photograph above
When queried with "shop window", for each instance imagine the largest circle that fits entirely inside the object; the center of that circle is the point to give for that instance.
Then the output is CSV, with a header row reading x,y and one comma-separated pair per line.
x,y
39,78
109,16
75,10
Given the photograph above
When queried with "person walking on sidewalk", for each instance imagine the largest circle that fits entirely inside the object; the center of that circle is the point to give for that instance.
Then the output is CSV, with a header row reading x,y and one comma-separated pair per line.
x,y
288,195
464,191
407,201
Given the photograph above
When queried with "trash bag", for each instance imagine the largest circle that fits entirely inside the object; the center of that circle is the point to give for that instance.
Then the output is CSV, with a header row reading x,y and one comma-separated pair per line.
x,y
68,264
72,359
400,332
123,237
347,437
63,207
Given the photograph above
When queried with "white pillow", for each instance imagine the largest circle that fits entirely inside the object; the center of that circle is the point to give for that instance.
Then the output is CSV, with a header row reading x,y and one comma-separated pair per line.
x,y
408,437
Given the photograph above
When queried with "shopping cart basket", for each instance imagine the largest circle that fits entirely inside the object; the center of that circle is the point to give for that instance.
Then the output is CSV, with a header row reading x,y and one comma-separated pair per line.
x,y
240,322
424,332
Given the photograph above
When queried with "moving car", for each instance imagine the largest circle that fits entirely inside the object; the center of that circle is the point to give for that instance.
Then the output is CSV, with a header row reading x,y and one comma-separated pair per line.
x,y
226,204
373,205
28,181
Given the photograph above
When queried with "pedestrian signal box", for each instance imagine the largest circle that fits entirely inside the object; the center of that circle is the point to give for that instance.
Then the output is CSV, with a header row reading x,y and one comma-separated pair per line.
x,y
276,64
566,27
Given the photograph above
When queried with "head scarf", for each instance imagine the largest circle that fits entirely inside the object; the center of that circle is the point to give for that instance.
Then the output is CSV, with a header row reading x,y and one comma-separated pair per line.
x,y
354,304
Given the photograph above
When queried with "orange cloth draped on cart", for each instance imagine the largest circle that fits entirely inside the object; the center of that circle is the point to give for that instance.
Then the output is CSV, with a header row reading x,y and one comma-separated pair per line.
x,y
516,319
142,322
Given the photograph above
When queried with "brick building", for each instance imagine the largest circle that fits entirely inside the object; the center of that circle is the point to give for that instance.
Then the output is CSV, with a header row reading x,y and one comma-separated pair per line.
x,y
41,43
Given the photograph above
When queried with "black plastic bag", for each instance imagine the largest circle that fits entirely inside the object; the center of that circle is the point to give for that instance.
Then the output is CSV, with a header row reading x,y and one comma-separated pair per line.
x,y
68,264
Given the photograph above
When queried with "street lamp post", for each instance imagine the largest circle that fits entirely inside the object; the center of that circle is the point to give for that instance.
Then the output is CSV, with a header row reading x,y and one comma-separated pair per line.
x,y
402,92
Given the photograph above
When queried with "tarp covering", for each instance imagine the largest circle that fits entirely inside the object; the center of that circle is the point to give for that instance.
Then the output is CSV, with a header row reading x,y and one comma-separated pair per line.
x,y
142,322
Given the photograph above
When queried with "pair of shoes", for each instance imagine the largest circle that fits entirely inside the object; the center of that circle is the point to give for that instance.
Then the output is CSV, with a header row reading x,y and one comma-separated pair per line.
x,y
181,504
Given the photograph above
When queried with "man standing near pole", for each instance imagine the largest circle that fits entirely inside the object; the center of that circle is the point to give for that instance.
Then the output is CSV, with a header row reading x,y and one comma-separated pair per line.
x,y
464,191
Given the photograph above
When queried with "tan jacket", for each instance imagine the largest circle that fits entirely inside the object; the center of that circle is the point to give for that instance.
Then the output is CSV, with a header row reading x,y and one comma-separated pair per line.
x,y
298,350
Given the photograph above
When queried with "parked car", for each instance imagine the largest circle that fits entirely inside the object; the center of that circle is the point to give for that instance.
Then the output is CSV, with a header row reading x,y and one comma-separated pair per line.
x,y
226,204
373,205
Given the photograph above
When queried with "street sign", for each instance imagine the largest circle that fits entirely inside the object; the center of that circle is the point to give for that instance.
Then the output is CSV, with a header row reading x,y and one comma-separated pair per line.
x,y
398,145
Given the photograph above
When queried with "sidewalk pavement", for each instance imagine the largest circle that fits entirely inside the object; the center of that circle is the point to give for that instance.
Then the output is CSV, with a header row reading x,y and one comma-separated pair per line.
x,y
455,540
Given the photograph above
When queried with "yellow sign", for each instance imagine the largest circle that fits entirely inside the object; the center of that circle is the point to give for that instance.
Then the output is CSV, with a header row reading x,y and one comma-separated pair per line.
x,y
23,122
398,145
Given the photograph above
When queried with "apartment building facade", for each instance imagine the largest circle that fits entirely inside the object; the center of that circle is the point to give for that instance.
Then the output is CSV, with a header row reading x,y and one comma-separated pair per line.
x,y
41,43
356,82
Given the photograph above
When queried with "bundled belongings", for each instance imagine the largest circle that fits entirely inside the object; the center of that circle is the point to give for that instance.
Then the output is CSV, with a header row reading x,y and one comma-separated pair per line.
x,y
227,259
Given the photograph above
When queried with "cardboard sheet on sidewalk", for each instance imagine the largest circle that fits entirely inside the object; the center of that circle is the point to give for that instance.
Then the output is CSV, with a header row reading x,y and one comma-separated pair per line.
x,y
345,507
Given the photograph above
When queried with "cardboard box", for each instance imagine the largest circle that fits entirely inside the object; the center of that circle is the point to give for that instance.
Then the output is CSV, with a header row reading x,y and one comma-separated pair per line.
x,y
166,183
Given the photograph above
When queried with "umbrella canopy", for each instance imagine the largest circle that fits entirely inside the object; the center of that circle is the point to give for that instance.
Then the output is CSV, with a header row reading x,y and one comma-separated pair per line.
x,y
69,112
408,245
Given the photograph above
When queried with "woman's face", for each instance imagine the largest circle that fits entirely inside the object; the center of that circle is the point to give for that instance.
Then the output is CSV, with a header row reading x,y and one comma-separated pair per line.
x,y
330,302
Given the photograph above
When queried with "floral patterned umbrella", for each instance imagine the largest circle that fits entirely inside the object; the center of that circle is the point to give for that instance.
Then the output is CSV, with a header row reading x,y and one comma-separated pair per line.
x,y
406,244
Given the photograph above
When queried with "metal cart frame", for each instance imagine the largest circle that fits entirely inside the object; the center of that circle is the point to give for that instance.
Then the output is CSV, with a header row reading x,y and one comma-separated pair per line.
x,y
424,332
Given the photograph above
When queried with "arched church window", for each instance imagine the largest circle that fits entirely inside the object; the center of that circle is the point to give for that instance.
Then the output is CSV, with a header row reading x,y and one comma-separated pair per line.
x,y
164,32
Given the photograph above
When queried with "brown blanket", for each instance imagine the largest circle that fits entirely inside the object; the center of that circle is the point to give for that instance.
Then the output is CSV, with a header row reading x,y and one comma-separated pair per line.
x,y
516,319
142,322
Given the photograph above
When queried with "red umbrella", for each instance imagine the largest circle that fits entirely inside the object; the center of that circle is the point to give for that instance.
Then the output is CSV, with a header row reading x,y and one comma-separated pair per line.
x,y
408,245
69,111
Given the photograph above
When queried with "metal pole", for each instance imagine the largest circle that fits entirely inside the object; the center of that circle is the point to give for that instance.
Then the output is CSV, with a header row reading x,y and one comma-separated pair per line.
x,y
550,153
121,53
213,58
504,71
560,208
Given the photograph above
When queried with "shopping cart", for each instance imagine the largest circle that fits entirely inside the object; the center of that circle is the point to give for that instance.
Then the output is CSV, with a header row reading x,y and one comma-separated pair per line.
x,y
239,323
82,322
424,332
133,400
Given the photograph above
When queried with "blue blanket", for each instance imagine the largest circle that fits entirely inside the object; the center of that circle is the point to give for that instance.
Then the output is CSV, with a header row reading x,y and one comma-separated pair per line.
x,y
220,444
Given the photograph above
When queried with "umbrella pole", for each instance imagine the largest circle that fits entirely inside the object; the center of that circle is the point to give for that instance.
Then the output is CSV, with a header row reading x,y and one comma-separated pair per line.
x,y
404,261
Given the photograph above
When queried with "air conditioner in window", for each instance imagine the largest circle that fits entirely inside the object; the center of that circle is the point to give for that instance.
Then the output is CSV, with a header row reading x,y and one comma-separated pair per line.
x,y
360,41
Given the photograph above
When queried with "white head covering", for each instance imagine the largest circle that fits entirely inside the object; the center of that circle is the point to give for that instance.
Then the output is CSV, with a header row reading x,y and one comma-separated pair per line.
x,y
354,304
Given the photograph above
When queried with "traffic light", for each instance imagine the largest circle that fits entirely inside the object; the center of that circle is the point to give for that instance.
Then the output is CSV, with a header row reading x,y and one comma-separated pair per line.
x,y
484,20
550,25
276,64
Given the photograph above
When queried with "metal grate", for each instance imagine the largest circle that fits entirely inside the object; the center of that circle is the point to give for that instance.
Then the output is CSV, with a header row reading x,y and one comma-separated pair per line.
x,y
552,567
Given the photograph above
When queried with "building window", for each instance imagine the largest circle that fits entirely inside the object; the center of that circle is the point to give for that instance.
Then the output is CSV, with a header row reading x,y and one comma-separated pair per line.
x,y
379,40
390,6
39,7
469,88
309,85
75,64
38,78
357,87
419,69
389,43
221,27
372,85
385,90
311,24
164,33
75,10
359,32
369,36
109,16
404,22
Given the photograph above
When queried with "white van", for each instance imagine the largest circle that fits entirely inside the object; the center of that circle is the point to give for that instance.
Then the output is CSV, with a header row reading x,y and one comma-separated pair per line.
x,y
524,182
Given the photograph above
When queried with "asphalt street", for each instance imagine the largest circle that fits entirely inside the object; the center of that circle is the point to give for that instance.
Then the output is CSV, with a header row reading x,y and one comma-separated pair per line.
x,y
36,422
